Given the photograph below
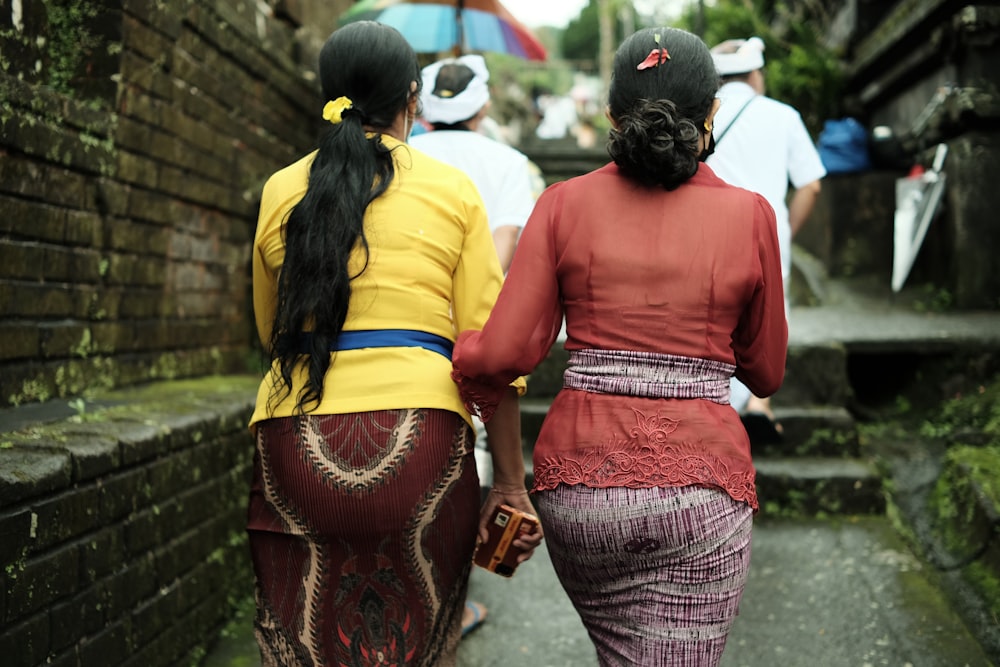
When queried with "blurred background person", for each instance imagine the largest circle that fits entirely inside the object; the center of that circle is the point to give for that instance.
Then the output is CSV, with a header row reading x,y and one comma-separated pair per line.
x,y
762,145
455,100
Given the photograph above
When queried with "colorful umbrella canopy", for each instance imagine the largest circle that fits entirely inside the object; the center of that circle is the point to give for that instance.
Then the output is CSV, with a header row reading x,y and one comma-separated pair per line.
x,y
459,26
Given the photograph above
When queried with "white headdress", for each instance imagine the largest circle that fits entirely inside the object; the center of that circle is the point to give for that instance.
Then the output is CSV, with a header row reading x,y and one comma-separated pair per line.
x,y
739,56
457,106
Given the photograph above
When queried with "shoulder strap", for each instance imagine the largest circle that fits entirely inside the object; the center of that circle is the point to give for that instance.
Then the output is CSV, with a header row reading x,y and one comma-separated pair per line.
x,y
735,118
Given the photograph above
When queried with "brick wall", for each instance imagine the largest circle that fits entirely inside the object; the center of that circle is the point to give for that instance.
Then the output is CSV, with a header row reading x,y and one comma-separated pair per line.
x,y
134,139
122,527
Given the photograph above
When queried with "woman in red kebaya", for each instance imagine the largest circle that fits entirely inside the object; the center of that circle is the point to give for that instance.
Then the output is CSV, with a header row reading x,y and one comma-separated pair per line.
x,y
669,280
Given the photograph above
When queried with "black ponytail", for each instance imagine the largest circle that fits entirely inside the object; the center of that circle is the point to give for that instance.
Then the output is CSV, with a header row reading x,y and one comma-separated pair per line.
x,y
660,111
373,66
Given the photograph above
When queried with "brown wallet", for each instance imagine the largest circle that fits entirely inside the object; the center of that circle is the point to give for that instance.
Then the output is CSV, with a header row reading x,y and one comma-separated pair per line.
x,y
498,553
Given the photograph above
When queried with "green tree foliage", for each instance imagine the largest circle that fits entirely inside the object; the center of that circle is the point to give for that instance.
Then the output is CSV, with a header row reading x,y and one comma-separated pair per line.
x,y
513,81
581,38
799,69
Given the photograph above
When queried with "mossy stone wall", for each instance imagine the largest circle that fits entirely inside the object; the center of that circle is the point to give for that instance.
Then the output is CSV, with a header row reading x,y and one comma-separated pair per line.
x,y
122,536
135,138
130,170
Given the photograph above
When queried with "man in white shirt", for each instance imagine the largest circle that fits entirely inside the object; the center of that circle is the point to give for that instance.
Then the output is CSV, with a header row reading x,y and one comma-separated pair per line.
x,y
762,145
455,100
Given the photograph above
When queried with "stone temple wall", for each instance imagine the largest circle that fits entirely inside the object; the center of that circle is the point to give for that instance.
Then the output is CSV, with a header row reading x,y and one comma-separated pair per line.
x,y
122,535
134,141
926,69
135,138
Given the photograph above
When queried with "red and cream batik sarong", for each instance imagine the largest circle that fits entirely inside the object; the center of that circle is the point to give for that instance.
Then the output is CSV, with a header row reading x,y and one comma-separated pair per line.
x,y
362,528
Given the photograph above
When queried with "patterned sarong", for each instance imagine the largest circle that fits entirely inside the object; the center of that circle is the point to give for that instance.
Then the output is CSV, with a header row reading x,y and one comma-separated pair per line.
x,y
362,528
656,574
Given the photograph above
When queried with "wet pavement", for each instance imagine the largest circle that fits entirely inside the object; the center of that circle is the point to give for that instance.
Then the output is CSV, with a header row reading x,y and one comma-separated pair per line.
x,y
840,592
822,593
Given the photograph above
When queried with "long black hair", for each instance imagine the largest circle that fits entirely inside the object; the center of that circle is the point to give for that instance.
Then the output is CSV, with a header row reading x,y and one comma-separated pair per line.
x,y
373,66
660,111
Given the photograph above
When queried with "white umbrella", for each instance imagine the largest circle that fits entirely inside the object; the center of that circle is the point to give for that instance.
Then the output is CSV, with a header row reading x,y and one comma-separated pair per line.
x,y
917,200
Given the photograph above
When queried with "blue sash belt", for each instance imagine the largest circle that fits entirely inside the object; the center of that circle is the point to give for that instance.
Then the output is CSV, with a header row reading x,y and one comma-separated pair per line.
x,y
358,340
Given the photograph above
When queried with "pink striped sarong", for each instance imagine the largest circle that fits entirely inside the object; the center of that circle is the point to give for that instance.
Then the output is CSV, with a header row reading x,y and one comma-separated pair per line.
x,y
656,574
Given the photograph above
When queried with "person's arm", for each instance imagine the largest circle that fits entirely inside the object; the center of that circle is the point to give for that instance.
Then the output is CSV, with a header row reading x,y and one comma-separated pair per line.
x,y
504,435
760,341
514,202
505,239
523,323
805,169
801,205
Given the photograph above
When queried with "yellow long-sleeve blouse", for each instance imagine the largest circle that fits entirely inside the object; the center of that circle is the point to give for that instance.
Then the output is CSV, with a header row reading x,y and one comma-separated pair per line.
x,y
432,267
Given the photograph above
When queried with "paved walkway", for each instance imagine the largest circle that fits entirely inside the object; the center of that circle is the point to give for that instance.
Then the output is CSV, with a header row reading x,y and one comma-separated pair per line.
x,y
839,593
843,593
822,593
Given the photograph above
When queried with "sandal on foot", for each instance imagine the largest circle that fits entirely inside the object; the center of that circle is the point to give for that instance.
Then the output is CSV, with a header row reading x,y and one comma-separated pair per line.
x,y
472,617
761,429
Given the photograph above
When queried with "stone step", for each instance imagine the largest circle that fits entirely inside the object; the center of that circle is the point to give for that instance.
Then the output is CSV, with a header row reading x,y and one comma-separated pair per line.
x,y
818,430
818,485
816,373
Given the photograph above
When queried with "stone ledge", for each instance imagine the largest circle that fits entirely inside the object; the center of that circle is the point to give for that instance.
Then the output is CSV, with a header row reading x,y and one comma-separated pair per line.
x,y
62,446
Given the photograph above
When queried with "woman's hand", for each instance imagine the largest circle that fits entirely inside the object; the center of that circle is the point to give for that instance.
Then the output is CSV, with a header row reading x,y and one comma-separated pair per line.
x,y
518,499
504,436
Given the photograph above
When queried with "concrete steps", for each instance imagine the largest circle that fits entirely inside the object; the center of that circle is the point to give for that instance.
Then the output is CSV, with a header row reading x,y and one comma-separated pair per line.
x,y
818,485
850,340
818,468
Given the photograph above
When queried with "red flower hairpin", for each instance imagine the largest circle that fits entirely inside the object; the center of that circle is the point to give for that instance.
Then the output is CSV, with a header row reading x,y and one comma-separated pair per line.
x,y
657,56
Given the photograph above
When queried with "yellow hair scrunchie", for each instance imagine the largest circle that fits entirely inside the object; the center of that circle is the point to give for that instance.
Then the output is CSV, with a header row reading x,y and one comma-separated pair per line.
x,y
334,111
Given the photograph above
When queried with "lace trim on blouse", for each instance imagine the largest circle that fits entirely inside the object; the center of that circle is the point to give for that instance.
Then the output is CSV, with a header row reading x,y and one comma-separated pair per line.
x,y
647,455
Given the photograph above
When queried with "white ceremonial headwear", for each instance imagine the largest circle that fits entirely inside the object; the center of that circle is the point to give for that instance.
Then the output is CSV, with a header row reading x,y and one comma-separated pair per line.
x,y
459,106
738,56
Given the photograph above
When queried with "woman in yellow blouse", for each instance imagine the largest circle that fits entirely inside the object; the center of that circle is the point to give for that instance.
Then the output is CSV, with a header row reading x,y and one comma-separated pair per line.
x,y
368,257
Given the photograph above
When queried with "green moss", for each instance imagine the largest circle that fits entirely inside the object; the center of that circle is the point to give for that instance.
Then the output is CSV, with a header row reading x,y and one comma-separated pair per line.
x,y
987,583
197,656
933,299
32,391
974,412
971,476
826,439
899,522
70,41
880,431
14,568
980,466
